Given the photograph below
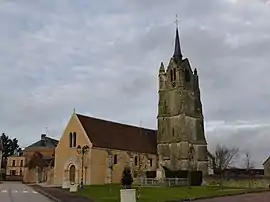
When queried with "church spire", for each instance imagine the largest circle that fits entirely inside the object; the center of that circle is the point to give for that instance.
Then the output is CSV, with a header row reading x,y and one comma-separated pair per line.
x,y
177,49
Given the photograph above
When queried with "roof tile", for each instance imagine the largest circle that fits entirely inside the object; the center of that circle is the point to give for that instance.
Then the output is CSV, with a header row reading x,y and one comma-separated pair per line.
x,y
112,135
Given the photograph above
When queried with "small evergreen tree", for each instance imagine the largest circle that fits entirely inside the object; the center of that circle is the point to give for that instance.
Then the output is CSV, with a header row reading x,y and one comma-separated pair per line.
x,y
127,179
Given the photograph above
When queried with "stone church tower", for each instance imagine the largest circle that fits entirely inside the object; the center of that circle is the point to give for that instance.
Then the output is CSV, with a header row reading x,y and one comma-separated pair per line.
x,y
181,140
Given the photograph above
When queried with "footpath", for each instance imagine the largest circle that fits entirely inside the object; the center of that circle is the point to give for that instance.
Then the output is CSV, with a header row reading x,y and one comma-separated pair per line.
x,y
59,194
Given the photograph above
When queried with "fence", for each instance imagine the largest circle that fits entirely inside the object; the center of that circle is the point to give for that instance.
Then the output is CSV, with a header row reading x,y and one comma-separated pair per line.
x,y
161,182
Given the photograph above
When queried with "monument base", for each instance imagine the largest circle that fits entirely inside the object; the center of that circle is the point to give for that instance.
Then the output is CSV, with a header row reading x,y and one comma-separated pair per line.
x,y
73,188
160,174
128,195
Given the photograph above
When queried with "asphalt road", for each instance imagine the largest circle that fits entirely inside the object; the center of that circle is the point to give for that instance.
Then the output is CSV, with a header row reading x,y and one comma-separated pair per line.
x,y
18,192
254,197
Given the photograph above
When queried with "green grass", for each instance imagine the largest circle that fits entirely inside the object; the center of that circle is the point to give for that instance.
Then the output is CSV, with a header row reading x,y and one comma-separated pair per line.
x,y
111,193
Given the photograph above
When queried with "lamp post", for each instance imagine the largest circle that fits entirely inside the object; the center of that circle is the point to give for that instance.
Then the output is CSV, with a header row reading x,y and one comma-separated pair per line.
x,y
83,151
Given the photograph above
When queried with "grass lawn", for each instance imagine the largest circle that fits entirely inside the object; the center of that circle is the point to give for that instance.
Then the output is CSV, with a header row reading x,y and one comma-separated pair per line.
x,y
111,193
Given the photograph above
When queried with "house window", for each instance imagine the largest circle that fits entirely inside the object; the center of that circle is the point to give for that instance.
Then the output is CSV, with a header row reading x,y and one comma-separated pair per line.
x,y
136,160
150,162
70,140
20,172
74,139
13,172
172,131
13,163
21,163
115,159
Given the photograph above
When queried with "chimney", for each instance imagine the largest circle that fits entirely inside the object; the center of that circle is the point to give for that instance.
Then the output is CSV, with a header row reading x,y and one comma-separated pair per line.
x,y
43,136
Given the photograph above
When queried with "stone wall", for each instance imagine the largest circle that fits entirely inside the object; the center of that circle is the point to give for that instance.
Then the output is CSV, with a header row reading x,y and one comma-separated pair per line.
x,y
243,182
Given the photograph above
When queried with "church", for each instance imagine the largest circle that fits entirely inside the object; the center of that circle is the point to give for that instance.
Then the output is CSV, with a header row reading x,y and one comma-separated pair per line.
x,y
95,151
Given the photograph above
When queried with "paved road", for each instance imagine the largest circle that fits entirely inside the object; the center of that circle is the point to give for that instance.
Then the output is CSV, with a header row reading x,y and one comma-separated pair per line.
x,y
18,192
254,197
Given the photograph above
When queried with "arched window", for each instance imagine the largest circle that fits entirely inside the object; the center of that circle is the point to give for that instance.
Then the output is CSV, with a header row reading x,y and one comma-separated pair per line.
x,y
74,139
136,160
174,74
115,159
70,139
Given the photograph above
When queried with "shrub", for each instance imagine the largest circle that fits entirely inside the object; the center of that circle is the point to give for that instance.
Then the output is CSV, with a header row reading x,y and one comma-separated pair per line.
x,y
196,176
127,179
151,174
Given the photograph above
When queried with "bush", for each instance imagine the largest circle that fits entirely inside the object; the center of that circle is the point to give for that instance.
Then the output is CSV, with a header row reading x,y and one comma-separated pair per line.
x,y
196,176
151,174
127,179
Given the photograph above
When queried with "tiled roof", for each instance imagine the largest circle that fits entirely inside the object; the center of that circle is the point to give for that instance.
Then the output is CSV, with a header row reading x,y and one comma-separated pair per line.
x,y
112,135
48,143
266,160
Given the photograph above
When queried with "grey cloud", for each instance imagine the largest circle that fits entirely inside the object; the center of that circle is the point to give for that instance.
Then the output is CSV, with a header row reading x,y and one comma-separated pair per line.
x,y
103,59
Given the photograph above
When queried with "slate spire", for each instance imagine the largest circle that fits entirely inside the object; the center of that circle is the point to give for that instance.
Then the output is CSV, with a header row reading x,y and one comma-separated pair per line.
x,y
177,49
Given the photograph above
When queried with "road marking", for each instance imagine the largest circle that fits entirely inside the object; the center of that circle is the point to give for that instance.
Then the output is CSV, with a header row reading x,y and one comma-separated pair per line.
x,y
16,191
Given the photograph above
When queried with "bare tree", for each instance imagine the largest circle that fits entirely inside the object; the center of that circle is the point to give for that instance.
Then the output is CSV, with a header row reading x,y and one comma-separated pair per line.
x,y
224,158
139,165
140,161
248,165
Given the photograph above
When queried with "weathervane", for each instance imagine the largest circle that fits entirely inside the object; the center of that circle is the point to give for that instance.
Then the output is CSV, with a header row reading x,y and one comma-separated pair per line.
x,y
176,20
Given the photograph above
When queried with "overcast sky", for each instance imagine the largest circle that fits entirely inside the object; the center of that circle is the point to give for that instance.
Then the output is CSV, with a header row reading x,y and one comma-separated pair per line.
x,y
102,58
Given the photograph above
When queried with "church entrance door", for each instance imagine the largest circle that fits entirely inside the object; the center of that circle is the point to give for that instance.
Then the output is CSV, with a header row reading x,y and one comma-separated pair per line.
x,y
72,173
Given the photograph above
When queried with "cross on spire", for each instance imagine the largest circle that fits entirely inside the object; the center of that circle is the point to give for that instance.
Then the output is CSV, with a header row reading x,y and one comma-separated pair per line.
x,y
176,21
177,49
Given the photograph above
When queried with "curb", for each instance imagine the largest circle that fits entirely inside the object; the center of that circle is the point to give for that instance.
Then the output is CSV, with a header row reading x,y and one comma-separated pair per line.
x,y
46,194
